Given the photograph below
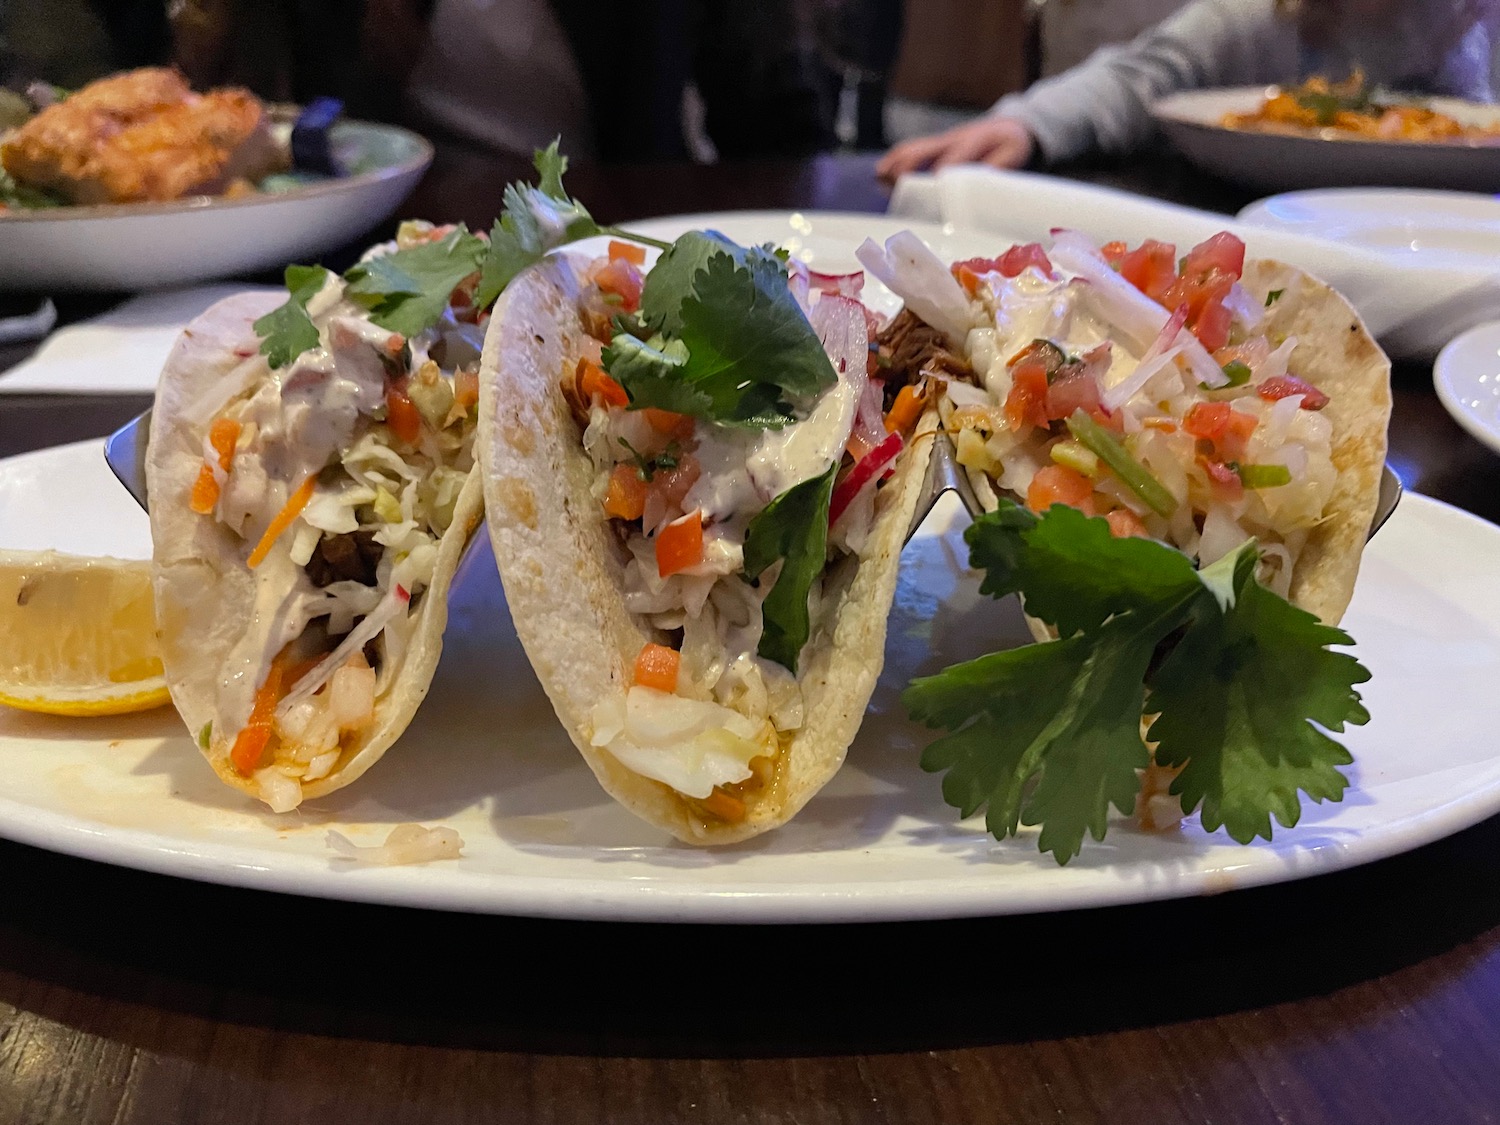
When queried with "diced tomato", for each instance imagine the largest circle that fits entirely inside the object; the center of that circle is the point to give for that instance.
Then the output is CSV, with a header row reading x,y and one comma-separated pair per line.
x,y
1076,390
1236,434
679,545
1151,268
593,381
626,252
1058,484
1226,482
1285,386
1026,405
1223,252
626,498
669,486
1125,524
1019,257
1113,252
205,492
402,416
657,667
624,280
1207,419
668,423
1212,326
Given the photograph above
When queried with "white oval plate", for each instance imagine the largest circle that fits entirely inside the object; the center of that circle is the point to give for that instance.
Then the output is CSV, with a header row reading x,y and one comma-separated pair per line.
x,y
486,756
1194,120
1467,378
1436,229
151,245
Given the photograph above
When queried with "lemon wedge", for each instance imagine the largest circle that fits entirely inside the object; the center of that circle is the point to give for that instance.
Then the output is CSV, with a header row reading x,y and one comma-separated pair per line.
x,y
78,635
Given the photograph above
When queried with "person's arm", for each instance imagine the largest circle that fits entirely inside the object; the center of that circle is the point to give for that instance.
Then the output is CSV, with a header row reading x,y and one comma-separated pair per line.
x,y
1104,103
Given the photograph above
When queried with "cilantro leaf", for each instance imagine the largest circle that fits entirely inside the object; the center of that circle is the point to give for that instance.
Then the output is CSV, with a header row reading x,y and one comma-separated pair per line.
x,y
407,291
671,280
1049,734
794,528
747,341
1073,572
1236,696
534,221
652,372
286,332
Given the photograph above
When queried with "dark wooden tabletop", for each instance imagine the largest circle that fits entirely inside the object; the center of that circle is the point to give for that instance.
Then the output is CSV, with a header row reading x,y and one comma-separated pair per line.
x,y
1368,996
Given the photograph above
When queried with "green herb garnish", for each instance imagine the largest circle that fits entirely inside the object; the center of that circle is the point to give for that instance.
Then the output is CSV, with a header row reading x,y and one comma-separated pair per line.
x,y
408,291
1237,372
792,527
731,346
287,332
1273,296
1133,475
1050,734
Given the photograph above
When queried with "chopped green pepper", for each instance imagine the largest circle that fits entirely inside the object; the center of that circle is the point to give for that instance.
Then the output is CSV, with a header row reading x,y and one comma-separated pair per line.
x,y
1131,472
1264,476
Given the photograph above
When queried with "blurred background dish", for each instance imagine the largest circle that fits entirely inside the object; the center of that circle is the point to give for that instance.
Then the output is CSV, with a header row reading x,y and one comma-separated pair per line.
x,y
1467,378
1412,227
150,245
1194,122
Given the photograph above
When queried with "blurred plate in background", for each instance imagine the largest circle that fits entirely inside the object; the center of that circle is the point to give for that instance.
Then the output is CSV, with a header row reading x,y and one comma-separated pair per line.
x,y
127,246
1194,121
1467,378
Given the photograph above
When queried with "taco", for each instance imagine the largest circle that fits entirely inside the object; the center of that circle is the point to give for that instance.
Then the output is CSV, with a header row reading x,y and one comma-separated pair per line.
x,y
1200,401
697,494
312,487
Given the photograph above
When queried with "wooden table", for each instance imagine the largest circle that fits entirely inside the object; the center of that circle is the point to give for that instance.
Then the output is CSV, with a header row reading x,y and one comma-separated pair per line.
x,y
1367,996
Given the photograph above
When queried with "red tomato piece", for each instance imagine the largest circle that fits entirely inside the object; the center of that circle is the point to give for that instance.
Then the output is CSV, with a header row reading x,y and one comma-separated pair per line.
x,y
1223,252
626,252
1026,405
1151,268
1207,419
1077,390
624,279
1058,484
1225,481
1017,258
402,416
1113,252
1285,386
657,667
1236,434
1125,524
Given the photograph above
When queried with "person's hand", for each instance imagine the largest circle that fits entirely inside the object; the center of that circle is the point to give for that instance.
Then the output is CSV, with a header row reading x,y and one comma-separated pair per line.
x,y
1001,141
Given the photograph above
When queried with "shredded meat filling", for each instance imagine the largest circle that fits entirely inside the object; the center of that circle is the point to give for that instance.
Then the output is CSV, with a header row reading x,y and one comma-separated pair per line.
x,y
351,557
910,349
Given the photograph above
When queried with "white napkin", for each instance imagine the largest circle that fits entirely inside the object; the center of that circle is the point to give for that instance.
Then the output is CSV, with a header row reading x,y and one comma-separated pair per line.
x,y
116,353
1413,309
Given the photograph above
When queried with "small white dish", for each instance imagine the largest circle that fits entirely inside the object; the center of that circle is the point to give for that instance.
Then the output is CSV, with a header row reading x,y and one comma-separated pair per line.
x,y
128,246
1194,121
1439,229
1467,378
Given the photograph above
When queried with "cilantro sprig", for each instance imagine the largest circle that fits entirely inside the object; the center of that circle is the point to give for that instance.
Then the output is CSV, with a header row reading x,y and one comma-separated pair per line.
x,y
408,290
729,342
1049,735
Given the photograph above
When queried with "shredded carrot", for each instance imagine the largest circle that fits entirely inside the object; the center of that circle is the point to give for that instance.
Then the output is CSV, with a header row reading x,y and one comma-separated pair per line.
x,y
657,666
724,806
283,520
627,251
205,491
904,412
222,435
465,388
250,743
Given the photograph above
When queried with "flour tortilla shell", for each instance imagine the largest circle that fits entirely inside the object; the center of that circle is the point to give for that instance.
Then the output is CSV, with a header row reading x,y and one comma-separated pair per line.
x,y
562,570
203,586
1336,354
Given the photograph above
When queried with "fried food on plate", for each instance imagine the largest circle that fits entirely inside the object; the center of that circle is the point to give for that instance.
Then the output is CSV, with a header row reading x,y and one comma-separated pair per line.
x,y
142,136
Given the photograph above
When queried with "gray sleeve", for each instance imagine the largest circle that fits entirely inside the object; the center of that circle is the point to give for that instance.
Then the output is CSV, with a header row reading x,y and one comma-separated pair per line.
x,y
1104,102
